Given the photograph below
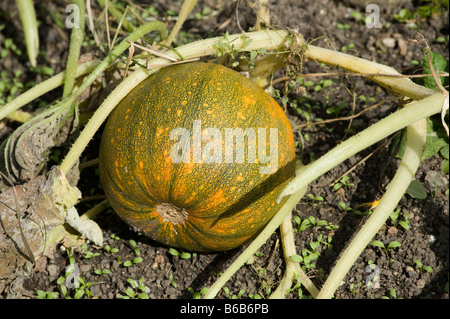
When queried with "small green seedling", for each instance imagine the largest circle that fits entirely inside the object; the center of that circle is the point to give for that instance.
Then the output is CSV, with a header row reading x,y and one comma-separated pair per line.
x,y
396,222
172,282
46,294
182,255
88,254
110,250
137,251
423,268
198,295
354,289
311,222
114,236
137,290
343,182
307,256
230,296
316,200
129,263
72,280
336,109
345,207
102,272
203,14
391,245
134,245
392,294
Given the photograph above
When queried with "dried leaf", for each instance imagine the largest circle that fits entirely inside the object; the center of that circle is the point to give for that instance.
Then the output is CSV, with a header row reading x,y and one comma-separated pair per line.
x,y
23,154
39,205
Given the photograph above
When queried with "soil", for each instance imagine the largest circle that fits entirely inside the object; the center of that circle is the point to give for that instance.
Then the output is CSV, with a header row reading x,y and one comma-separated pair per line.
x,y
167,274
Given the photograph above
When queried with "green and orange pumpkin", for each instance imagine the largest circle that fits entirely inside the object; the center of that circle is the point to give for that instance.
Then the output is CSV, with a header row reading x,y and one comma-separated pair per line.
x,y
172,169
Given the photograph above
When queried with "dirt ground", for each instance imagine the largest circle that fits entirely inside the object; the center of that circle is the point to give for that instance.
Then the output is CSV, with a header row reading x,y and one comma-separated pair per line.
x,y
171,275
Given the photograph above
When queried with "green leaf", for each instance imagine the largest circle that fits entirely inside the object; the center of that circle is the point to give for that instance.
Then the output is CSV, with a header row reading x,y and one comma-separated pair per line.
x,y
137,260
444,151
440,64
416,190
445,167
132,243
418,263
128,263
132,282
305,224
173,252
436,137
79,294
428,268
63,290
393,293
398,144
394,244
404,224
60,280
130,292
185,255
52,295
297,258
41,294
378,243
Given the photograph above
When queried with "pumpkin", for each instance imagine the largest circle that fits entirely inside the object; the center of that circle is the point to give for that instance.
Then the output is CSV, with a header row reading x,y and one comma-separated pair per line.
x,y
195,157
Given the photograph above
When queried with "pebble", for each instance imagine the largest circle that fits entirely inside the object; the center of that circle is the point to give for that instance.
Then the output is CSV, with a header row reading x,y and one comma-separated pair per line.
x,y
388,42
420,283
434,178
53,270
85,268
392,230
411,272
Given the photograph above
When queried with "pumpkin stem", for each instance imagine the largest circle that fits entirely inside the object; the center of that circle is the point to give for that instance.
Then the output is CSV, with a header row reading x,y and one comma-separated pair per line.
x,y
172,214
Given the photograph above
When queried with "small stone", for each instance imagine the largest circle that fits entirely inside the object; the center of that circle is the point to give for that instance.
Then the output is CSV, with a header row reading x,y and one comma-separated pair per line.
x,y
403,47
52,270
388,42
392,230
420,283
85,268
435,178
411,273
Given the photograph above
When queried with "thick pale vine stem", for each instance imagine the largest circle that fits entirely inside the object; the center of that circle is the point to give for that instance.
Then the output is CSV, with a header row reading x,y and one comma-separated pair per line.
x,y
186,8
255,244
416,137
76,40
44,87
292,268
30,28
402,86
407,115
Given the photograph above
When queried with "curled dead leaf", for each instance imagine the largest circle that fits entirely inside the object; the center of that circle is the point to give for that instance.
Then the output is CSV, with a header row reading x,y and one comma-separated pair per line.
x,y
41,206
24,152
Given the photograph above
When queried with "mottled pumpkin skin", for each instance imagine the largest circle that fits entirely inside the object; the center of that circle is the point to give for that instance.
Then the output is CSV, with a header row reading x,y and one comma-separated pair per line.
x,y
223,204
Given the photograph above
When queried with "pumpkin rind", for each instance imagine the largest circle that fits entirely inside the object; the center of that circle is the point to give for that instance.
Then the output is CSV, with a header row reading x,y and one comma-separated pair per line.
x,y
193,206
